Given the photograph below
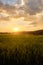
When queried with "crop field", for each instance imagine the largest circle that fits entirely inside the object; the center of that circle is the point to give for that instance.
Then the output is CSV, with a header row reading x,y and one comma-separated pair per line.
x,y
23,49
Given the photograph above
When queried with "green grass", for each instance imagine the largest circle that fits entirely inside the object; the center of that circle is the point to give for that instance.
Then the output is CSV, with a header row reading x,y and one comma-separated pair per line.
x,y
21,49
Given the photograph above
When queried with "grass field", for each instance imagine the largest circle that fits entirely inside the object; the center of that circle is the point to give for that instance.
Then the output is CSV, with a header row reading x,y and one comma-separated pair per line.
x,y
21,49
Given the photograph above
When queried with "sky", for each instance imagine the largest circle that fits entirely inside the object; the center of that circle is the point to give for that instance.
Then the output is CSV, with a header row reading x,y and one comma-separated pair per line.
x,y
27,15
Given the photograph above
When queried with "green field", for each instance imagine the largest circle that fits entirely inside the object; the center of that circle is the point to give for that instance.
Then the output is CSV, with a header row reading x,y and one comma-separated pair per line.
x,y
23,49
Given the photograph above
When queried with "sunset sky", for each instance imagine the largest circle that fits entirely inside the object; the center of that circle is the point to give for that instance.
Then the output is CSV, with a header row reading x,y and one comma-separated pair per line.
x,y
26,15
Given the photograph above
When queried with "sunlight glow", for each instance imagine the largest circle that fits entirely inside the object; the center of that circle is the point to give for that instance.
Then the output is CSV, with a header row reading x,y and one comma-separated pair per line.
x,y
22,2
16,29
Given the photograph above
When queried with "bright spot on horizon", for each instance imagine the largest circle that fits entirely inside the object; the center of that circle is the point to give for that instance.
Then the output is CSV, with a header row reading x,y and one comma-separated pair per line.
x,y
16,29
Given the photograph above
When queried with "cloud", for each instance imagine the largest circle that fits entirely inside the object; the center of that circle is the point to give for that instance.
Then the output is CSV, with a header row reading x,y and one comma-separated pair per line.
x,y
1,4
7,7
33,6
31,11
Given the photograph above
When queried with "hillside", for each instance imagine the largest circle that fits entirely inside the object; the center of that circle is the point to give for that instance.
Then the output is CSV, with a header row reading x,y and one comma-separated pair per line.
x,y
37,32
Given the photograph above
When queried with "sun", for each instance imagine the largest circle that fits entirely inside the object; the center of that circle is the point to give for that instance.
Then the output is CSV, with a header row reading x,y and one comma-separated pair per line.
x,y
16,29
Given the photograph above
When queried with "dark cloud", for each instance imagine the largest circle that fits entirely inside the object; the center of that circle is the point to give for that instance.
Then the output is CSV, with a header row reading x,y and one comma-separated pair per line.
x,y
33,6
10,9
34,24
1,4
4,18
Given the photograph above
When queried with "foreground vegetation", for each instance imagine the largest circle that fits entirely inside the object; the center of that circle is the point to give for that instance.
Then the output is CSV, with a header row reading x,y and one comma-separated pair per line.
x,y
21,49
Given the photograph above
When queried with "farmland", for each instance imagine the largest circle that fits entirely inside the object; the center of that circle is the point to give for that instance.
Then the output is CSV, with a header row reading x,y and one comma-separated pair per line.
x,y
20,49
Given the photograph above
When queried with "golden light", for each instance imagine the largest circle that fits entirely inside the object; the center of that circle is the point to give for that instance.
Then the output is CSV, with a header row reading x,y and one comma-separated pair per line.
x,y
22,2
16,29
